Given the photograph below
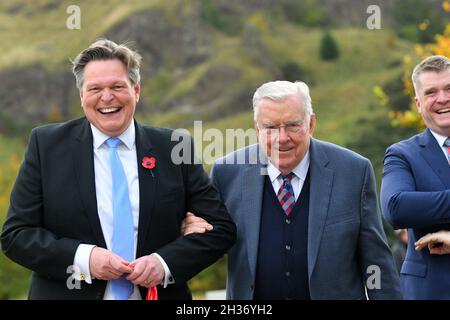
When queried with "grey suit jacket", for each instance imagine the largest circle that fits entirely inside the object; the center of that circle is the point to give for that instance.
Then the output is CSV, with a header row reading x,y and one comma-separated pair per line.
x,y
347,254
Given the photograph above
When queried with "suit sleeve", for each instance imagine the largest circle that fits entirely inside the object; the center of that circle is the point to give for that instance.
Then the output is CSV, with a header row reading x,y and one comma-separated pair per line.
x,y
190,254
24,238
377,263
215,177
402,205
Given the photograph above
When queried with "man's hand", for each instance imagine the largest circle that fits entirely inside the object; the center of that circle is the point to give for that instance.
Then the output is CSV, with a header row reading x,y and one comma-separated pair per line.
x,y
194,224
438,242
106,265
147,271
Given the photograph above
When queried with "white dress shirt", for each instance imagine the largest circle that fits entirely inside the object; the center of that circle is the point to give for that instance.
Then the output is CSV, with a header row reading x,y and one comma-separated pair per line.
x,y
103,189
440,140
297,181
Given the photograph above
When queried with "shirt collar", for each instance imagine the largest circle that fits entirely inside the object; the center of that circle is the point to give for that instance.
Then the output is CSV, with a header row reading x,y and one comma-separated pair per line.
x,y
439,138
300,170
127,137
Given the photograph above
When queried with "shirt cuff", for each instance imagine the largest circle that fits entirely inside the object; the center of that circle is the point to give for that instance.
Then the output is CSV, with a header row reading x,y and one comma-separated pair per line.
x,y
168,279
81,269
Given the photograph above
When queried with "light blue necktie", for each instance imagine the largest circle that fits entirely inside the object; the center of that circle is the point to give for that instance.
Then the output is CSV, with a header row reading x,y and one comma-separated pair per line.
x,y
122,242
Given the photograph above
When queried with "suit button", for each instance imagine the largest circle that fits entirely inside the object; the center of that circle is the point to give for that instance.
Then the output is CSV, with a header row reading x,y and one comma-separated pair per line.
x,y
288,247
252,287
288,221
288,274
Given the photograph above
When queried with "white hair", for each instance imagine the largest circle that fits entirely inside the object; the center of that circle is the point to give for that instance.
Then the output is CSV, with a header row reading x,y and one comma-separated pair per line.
x,y
279,90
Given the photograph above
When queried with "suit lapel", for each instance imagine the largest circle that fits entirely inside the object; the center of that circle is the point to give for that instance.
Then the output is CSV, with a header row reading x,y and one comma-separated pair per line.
x,y
432,153
252,193
147,186
83,156
321,180
252,182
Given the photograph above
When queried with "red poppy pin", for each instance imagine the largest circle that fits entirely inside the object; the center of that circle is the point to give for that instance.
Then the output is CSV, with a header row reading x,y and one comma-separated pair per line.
x,y
149,163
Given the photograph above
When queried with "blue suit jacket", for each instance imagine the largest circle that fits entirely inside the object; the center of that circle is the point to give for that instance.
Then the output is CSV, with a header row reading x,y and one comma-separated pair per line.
x,y
415,194
345,234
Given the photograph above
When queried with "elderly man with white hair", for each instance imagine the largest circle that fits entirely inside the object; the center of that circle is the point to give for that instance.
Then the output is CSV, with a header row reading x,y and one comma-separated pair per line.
x,y
309,225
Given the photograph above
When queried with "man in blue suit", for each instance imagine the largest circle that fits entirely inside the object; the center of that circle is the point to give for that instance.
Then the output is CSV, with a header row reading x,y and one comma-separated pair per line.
x,y
415,191
308,221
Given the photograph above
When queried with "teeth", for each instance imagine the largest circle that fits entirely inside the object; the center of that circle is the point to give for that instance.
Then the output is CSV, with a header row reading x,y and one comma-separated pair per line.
x,y
108,110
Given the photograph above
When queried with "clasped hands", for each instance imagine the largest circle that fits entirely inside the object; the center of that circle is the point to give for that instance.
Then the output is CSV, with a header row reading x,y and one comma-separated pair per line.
x,y
146,271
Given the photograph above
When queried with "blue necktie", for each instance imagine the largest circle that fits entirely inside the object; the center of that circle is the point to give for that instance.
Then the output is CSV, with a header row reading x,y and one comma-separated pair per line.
x,y
447,144
122,242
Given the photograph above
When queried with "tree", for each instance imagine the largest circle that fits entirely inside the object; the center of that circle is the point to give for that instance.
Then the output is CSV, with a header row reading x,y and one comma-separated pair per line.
x,y
408,14
328,47
440,46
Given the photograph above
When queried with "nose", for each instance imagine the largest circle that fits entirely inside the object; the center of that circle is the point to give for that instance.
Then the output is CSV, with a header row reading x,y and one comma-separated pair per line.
x,y
106,95
443,96
283,136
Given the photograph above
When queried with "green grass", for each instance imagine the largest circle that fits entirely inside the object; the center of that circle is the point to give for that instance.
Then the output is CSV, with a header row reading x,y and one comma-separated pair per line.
x,y
14,279
10,147
32,33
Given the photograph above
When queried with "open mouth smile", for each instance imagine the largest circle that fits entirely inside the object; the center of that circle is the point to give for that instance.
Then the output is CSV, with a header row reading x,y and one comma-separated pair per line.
x,y
446,110
109,110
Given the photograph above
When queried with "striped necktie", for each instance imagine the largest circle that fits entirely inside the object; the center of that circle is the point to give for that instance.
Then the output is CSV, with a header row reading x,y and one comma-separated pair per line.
x,y
447,144
286,194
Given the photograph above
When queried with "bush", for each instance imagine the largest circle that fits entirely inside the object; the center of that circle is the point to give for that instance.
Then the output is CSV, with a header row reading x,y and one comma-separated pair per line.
x,y
328,47
305,12
292,71
416,20
229,22
399,100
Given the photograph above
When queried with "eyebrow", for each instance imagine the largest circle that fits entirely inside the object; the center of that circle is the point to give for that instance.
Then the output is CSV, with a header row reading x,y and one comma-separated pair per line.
x,y
287,123
429,89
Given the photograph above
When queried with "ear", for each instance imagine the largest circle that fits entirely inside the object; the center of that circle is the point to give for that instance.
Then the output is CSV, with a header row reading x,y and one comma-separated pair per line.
x,y
418,104
137,91
81,97
312,124
257,130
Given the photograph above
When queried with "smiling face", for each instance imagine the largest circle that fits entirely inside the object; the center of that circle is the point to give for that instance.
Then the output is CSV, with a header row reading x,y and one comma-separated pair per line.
x,y
107,97
433,100
284,149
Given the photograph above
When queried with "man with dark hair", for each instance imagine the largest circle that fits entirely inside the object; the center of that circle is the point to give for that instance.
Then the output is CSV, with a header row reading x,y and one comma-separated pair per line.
x,y
415,189
100,197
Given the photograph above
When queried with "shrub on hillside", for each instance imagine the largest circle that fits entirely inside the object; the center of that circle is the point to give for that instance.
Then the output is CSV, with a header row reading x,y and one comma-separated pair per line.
x,y
328,47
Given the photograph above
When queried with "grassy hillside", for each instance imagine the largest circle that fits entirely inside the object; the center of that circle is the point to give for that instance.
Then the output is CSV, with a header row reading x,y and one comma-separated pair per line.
x,y
35,31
